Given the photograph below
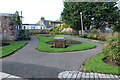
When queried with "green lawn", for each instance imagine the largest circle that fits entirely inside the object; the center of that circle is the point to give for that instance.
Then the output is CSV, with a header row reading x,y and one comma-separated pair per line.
x,y
95,64
42,46
101,42
14,45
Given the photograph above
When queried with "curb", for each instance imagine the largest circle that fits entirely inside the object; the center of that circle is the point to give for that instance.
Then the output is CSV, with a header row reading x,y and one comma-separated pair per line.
x,y
81,75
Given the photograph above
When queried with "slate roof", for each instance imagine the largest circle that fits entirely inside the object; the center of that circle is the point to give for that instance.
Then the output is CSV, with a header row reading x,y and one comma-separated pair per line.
x,y
46,23
6,14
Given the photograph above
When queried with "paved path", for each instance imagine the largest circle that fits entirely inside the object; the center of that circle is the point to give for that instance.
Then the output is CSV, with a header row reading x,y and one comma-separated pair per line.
x,y
30,63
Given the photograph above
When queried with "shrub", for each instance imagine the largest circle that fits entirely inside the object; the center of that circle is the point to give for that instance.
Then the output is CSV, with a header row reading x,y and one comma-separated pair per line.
x,y
94,31
58,28
112,49
69,33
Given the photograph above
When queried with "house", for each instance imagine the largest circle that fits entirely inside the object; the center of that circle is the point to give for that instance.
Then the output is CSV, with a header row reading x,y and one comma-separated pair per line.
x,y
43,24
31,26
105,27
48,23
9,30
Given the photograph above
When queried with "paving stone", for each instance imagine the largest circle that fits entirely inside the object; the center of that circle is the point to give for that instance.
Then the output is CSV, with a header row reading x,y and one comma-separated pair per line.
x,y
79,75
63,75
91,73
103,75
116,76
3,75
83,75
96,76
111,76
74,75
11,76
70,76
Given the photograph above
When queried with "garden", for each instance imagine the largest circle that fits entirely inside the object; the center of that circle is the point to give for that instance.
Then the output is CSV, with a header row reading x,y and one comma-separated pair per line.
x,y
46,44
100,24
9,47
109,60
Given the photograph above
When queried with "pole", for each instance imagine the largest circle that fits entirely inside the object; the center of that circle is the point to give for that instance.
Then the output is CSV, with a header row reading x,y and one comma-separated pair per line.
x,y
81,22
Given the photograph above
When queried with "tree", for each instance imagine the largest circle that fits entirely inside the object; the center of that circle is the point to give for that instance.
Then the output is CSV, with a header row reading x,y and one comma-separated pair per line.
x,y
116,26
94,13
17,19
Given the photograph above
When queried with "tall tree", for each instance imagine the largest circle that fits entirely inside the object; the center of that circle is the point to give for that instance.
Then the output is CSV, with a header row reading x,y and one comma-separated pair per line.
x,y
94,13
16,18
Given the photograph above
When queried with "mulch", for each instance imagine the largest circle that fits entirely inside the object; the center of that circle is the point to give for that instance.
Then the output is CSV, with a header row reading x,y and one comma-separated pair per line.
x,y
5,44
109,61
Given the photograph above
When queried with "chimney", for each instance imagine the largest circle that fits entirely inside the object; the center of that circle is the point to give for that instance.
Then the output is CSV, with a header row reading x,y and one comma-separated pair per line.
x,y
42,18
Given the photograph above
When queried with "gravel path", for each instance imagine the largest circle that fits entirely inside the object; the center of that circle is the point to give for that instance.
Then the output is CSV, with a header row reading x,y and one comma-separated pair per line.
x,y
30,63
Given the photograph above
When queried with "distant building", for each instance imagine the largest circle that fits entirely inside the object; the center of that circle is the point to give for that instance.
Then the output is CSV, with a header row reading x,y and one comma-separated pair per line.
x,y
48,23
9,30
105,27
31,26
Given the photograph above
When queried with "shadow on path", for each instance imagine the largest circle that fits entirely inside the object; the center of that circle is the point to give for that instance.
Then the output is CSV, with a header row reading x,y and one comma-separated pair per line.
x,y
30,70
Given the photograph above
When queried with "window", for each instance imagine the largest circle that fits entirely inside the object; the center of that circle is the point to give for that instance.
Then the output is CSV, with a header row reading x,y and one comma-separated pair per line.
x,y
24,27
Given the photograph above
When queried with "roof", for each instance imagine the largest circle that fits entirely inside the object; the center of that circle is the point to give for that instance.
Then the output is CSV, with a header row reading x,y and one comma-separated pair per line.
x,y
46,22
31,24
53,21
6,14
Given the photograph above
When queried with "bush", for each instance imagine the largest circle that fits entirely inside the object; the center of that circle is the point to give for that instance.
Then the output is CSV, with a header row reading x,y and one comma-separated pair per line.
x,y
58,28
94,31
69,33
112,49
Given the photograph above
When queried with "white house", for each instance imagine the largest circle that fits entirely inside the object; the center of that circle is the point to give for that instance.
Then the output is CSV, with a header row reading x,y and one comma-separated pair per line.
x,y
32,26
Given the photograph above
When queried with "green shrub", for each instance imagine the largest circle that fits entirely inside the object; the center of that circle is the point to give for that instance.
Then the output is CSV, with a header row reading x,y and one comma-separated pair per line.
x,y
112,49
58,28
94,31
69,33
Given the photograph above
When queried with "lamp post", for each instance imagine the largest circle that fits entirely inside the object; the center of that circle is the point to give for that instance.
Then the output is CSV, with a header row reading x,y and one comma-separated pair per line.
x,y
81,22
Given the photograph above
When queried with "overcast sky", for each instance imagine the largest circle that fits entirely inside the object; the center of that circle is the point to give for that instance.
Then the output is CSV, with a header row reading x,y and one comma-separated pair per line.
x,y
33,9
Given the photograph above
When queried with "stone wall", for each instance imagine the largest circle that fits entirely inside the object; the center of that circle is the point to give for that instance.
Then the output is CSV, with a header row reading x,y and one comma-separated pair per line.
x,y
8,28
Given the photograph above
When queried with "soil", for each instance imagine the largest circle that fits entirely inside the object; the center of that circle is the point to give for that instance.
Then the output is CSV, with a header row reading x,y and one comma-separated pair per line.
x,y
47,35
67,42
109,61
5,44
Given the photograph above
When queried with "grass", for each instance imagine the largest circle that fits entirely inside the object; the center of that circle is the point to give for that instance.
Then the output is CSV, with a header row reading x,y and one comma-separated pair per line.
x,y
42,46
9,49
101,42
95,64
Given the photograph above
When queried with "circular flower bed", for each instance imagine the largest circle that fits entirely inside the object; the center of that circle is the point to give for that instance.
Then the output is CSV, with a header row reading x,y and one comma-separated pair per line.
x,y
67,42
